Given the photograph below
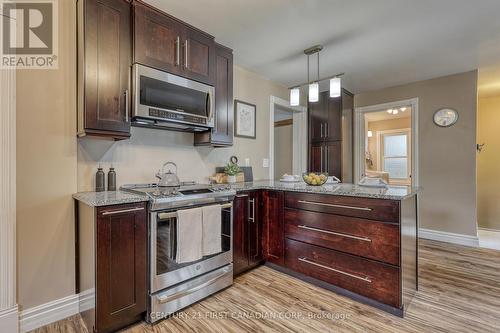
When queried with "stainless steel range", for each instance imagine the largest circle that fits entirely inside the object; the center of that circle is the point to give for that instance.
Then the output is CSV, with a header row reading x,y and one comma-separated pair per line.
x,y
173,286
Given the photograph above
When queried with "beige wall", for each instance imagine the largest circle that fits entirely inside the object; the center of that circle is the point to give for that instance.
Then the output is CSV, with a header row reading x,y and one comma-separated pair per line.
x,y
138,159
46,172
283,150
383,125
447,163
488,163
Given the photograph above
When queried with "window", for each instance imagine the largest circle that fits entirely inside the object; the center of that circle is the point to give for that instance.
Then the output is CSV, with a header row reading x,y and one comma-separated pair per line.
x,y
395,154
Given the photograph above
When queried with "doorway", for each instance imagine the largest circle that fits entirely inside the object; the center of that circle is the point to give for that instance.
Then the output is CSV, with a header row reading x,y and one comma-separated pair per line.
x,y
386,142
287,138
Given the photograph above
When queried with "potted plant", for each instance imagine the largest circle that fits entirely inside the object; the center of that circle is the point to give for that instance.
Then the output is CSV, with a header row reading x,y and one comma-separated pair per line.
x,y
231,170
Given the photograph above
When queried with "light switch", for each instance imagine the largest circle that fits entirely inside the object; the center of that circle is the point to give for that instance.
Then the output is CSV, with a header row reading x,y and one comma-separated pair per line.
x,y
247,162
265,163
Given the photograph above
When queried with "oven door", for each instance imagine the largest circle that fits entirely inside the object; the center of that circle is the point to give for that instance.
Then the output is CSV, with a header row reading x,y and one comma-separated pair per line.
x,y
165,271
166,97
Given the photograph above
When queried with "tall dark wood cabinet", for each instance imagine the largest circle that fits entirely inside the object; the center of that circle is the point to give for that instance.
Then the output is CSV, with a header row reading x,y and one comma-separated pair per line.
x,y
247,232
111,265
105,59
329,130
273,223
165,43
222,134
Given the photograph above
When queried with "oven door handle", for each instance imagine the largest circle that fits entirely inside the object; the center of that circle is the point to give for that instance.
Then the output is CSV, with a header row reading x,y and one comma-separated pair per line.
x,y
166,299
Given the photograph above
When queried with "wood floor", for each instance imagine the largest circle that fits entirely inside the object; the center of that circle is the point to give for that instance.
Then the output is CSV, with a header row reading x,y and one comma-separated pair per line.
x,y
459,292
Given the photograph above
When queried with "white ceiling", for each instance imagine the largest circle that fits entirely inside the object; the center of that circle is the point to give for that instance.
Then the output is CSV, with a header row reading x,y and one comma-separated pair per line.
x,y
377,43
383,115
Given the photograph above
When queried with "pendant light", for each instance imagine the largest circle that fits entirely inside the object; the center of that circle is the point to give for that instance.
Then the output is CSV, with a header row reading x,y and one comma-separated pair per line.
x,y
335,87
295,96
313,86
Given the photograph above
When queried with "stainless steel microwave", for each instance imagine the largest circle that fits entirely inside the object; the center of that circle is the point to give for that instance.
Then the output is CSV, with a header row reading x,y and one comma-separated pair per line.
x,y
167,101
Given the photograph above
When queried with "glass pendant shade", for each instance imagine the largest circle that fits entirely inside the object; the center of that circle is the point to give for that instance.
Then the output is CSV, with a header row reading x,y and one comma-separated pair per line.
x,y
370,134
335,87
294,96
314,92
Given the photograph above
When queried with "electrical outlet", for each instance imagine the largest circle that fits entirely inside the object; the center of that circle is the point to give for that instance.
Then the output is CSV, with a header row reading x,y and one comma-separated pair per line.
x,y
247,162
265,163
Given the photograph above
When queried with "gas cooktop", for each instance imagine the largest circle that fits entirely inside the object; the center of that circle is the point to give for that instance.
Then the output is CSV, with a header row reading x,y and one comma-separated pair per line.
x,y
189,194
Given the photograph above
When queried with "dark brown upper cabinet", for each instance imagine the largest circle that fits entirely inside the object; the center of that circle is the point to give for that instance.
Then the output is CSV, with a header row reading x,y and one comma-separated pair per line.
x,y
105,59
222,134
165,43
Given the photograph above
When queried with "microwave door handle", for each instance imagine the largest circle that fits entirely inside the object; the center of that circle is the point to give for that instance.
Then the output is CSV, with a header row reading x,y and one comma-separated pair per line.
x,y
210,109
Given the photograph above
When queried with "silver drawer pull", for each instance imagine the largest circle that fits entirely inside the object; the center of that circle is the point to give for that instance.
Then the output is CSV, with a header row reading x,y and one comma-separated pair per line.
x,y
366,279
336,206
165,299
241,195
364,239
122,211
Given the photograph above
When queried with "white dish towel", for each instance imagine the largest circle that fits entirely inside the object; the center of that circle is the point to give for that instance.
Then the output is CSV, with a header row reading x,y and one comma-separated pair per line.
x,y
212,230
189,235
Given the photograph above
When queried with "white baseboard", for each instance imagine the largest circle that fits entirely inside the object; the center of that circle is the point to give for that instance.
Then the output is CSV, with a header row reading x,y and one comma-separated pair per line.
x,y
448,237
9,320
47,313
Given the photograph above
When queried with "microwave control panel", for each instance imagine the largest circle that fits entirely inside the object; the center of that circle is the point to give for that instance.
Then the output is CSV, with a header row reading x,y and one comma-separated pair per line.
x,y
164,114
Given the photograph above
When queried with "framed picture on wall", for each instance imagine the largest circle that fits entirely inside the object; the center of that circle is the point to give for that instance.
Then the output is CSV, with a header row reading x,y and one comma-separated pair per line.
x,y
245,119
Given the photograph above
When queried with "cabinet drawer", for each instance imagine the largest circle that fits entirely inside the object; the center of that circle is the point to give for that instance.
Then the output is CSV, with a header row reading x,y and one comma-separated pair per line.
x,y
367,238
374,209
363,276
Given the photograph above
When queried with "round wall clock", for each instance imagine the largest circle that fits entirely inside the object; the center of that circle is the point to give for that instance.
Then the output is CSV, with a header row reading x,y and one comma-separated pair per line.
x,y
445,117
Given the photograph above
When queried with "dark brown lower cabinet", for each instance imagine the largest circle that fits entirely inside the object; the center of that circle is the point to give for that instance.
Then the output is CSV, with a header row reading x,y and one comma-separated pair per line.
x,y
273,222
247,232
112,243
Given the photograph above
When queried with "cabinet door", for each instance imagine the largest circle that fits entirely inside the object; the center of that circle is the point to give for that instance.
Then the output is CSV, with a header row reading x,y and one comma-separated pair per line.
x,y
240,235
273,222
157,39
223,131
333,158
120,266
317,120
107,54
316,158
198,56
333,125
255,253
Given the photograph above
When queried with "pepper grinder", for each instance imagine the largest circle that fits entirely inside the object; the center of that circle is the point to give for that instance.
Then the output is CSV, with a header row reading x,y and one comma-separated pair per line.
x,y
99,180
111,179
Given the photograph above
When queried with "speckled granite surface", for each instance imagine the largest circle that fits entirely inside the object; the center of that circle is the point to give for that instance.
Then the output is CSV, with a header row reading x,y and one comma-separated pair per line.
x,y
107,198
390,192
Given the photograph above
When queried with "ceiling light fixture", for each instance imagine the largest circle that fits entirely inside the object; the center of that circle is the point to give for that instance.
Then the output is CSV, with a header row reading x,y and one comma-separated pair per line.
x,y
395,111
403,109
389,111
313,87
370,134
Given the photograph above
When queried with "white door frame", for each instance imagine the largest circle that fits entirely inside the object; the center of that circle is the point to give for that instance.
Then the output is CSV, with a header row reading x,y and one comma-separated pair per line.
x,y
359,136
9,316
299,135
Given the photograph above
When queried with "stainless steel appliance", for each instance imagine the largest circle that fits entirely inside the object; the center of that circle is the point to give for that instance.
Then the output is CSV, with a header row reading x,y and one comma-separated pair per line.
x,y
173,286
167,101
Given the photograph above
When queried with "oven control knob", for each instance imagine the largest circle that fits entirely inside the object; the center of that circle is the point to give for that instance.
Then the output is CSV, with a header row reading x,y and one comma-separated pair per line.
x,y
198,267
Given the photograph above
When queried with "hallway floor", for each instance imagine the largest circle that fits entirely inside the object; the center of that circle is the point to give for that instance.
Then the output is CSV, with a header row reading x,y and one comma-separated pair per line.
x,y
489,239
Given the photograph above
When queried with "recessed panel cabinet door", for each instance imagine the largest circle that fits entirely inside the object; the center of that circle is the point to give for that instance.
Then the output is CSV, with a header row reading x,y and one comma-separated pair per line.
x,y
333,158
108,53
199,56
273,223
157,39
255,252
120,266
240,235
316,158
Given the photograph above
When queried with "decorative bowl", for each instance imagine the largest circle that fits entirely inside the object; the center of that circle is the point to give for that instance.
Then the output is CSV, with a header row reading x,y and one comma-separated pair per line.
x,y
315,178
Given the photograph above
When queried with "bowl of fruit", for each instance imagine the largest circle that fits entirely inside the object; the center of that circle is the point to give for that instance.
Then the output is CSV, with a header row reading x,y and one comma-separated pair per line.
x,y
315,178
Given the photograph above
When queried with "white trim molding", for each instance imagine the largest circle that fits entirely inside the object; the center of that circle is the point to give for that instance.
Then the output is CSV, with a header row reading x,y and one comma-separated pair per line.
x,y
8,302
448,237
300,139
50,312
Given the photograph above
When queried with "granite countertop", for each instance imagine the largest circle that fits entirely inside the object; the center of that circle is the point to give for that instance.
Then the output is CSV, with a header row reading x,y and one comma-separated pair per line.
x,y
107,198
352,190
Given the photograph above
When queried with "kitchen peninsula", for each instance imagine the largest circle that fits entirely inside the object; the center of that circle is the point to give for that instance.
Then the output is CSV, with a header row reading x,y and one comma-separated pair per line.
x,y
356,241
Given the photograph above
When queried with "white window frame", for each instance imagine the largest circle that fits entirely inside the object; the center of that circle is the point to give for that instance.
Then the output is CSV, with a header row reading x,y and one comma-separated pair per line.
x,y
380,152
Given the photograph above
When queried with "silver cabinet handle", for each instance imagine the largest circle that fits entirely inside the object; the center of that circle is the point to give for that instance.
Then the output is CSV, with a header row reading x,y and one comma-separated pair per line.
x,y
326,159
333,205
186,56
165,299
364,239
241,195
251,203
126,106
321,130
307,261
321,162
114,212
178,51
